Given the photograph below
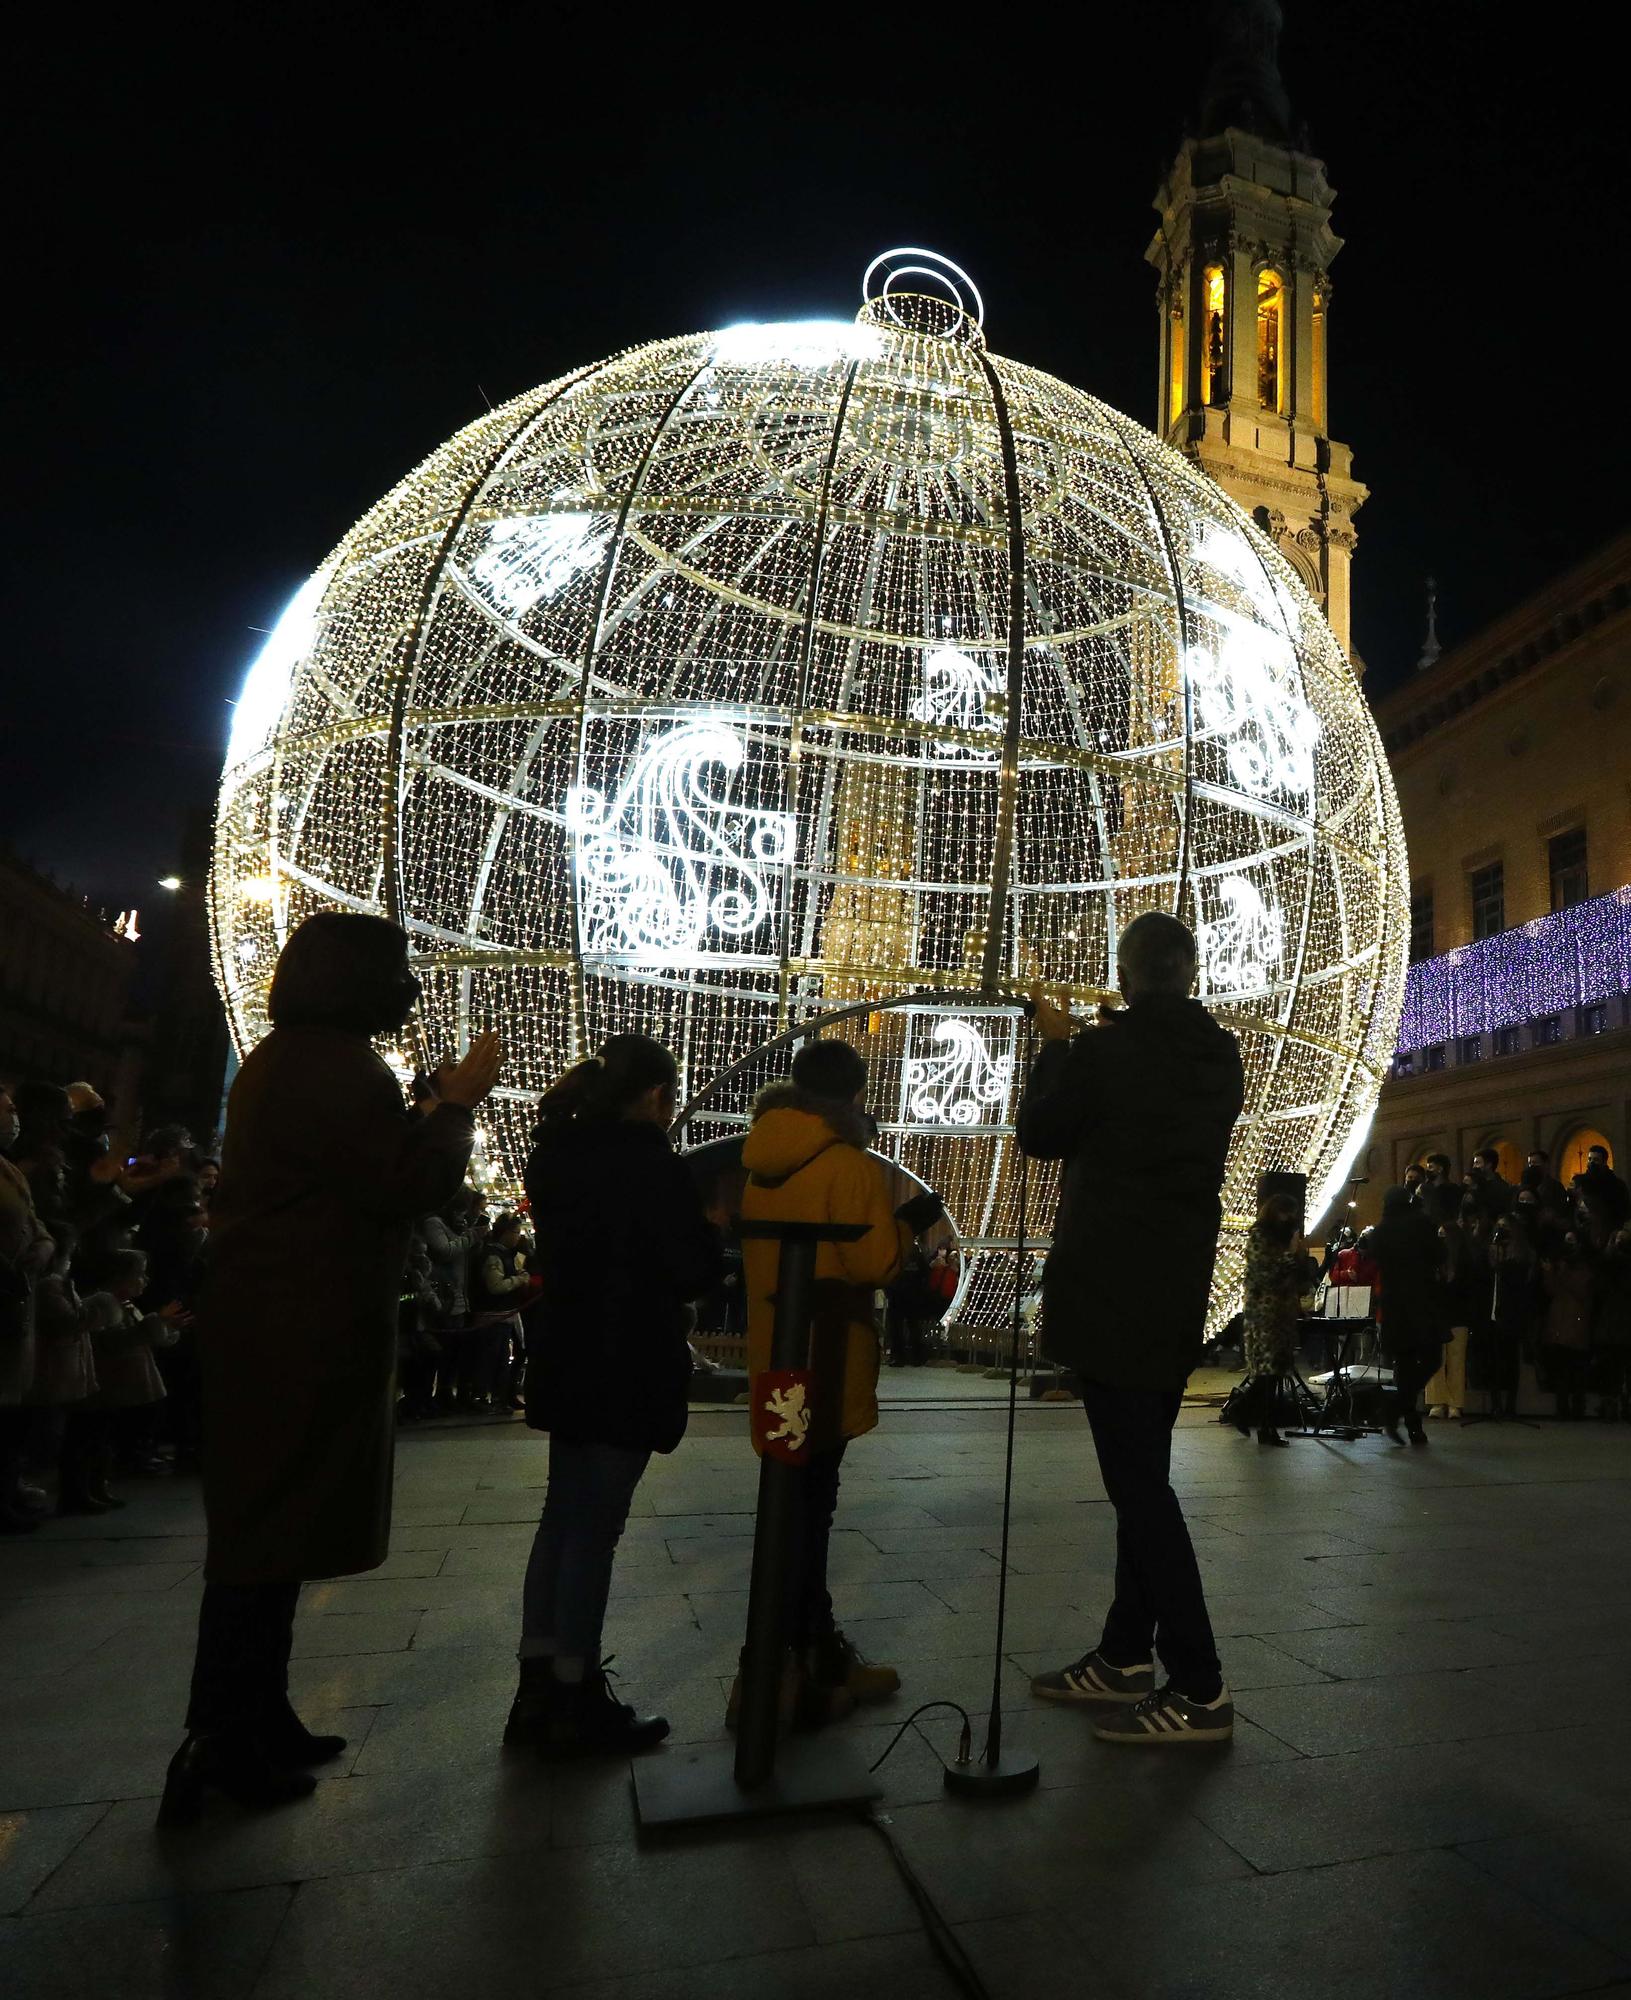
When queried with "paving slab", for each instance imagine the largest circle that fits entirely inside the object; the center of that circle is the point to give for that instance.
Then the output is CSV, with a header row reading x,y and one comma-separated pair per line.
x,y
1429,1791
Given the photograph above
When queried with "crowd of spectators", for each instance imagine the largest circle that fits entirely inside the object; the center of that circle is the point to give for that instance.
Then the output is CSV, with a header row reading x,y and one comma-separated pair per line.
x,y
100,1257
1470,1278
462,1343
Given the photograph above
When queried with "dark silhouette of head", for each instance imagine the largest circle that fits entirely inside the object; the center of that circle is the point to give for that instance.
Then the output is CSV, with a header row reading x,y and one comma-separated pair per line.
x,y
344,970
1156,955
830,1069
610,1084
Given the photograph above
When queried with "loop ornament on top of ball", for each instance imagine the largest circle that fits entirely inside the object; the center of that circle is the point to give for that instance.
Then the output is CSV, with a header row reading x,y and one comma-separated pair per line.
x,y
887,302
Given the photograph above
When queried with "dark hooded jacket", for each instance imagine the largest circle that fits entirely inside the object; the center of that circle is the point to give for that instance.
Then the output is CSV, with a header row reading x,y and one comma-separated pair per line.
x,y
622,1245
1415,1305
1140,1109
323,1174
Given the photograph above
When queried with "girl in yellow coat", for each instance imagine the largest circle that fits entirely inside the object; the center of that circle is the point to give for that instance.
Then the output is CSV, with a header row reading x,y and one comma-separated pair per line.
x,y
806,1160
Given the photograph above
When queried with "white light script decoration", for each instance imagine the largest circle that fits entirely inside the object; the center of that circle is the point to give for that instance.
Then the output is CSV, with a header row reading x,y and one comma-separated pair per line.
x,y
533,556
961,1083
1240,950
668,863
955,692
1269,729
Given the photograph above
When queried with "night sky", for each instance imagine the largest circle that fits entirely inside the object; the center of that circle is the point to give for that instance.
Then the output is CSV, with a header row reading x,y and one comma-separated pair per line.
x,y
261,277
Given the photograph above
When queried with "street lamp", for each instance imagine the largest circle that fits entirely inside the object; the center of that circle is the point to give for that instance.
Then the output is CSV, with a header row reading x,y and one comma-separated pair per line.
x,y
171,882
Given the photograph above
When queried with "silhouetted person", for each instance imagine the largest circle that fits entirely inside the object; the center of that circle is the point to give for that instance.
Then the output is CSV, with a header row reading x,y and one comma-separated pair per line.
x,y
623,1246
1414,1321
1140,1108
323,1175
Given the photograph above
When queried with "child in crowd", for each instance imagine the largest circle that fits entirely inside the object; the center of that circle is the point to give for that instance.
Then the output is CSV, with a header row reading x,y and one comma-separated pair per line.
x,y
128,1382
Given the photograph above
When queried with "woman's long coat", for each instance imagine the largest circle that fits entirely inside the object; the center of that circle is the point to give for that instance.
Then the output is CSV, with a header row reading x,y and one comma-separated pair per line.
x,y
1415,1319
323,1175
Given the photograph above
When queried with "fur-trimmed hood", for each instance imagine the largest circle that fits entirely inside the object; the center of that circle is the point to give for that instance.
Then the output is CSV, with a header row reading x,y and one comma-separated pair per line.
x,y
790,1126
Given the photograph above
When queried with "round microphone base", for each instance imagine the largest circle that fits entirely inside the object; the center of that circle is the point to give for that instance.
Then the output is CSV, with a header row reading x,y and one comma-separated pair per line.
x,y
1004,1777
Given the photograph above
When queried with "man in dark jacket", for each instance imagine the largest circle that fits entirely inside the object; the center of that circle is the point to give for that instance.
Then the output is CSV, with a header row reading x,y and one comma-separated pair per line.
x,y
1607,1194
1140,1108
1492,1190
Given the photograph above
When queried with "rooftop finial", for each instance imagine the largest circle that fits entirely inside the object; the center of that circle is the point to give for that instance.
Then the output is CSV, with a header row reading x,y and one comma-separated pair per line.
x,y
1244,86
1430,647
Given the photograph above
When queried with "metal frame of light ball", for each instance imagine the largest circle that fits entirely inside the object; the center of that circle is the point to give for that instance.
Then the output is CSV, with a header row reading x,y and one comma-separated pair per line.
x,y
967,737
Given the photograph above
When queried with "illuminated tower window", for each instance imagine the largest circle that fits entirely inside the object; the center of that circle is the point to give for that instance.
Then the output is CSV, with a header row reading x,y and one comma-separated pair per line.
x,y
1175,363
1214,345
1318,411
1271,347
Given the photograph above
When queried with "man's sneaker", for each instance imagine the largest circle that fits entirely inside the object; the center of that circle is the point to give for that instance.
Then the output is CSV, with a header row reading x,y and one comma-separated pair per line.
x,y
1092,1678
835,1663
1170,1717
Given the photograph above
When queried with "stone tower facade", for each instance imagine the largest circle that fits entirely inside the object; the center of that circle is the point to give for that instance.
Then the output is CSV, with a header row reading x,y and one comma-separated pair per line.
x,y
1243,255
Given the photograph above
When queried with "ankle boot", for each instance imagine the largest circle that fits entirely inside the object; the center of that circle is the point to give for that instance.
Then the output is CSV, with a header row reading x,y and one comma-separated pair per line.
x,y
539,1705
604,1723
596,1723
834,1663
236,1766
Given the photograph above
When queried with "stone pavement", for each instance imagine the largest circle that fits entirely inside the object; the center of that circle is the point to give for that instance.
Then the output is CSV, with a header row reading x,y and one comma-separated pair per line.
x,y
1429,1793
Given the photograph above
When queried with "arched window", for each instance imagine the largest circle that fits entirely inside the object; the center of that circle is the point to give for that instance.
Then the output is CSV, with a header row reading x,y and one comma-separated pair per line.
x,y
1214,337
1571,1157
1271,344
1317,414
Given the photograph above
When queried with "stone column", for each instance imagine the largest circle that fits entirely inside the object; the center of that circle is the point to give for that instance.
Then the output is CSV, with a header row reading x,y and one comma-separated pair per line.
x,y
1300,331
1301,279
1242,325
1195,328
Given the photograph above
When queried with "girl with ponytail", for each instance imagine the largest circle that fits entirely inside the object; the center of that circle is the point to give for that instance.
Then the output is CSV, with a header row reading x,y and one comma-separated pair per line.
x,y
623,1246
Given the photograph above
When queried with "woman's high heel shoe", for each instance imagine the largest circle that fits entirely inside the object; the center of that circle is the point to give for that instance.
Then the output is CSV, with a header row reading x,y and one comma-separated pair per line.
x,y
233,1765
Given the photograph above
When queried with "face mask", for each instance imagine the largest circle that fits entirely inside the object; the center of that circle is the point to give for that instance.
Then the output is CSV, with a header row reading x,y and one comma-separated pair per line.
x,y
9,1128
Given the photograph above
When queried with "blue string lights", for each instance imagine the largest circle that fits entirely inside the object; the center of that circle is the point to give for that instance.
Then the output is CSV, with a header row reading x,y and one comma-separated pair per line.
x,y
1572,958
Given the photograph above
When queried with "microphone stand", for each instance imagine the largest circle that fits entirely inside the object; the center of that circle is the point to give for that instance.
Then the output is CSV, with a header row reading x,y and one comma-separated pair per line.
x,y
1003,1773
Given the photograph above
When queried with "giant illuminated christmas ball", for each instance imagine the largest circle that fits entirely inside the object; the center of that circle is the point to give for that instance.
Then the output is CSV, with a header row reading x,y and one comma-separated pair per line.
x,y
749,675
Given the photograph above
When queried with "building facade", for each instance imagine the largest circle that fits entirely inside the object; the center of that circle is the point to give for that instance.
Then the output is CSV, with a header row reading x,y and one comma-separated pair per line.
x,y
1512,758
1243,256
65,988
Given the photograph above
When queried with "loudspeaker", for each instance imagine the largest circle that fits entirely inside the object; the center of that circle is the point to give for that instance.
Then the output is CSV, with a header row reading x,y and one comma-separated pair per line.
x,y
1293,1185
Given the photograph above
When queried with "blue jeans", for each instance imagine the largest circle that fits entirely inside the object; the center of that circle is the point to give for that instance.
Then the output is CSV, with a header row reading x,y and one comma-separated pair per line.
x,y
569,1573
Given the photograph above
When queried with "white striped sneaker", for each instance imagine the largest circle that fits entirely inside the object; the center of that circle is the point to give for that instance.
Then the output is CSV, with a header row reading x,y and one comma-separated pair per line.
x,y
1092,1678
1169,1717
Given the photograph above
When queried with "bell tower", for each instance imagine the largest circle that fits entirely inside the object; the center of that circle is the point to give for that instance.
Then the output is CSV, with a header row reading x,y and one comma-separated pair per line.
x,y
1243,256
